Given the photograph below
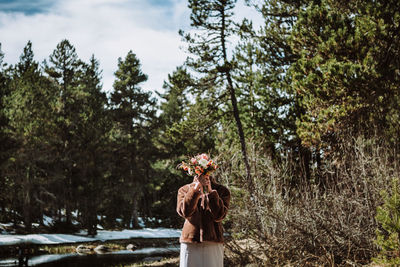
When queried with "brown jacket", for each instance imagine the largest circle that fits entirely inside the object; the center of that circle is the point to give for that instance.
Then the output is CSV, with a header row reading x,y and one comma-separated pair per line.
x,y
202,224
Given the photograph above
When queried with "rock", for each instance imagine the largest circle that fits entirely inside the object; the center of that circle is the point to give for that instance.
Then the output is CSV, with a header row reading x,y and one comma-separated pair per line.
x,y
83,249
131,247
102,249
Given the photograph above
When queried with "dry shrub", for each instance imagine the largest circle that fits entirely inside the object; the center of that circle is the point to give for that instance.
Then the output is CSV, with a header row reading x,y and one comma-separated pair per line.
x,y
326,220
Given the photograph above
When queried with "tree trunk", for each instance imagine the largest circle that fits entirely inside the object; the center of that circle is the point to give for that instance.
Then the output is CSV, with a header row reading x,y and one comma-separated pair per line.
x,y
227,72
27,200
90,217
240,132
134,218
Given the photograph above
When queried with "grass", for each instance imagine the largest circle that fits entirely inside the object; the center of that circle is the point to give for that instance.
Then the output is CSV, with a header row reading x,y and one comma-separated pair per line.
x,y
63,249
165,262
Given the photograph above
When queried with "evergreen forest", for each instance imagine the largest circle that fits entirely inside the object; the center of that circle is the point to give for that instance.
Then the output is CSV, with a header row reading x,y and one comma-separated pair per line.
x,y
302,115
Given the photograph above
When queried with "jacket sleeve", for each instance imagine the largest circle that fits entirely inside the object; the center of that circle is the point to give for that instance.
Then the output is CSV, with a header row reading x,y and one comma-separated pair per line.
x,y
187,201
219,203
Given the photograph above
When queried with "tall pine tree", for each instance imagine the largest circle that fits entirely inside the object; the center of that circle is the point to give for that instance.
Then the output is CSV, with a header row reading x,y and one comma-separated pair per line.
x,y
62,68
133,115
92,137
29,113
209,46
6,141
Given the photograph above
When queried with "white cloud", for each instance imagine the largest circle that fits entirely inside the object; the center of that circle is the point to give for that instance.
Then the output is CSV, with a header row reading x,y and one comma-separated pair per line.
x,y
243,11
106,28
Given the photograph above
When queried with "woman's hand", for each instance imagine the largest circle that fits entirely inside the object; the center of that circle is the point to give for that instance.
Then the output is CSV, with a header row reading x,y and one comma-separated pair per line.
x,y
197,184
204,180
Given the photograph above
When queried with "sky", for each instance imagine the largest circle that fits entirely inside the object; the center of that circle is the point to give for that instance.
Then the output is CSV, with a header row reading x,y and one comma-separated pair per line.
x,y
107,29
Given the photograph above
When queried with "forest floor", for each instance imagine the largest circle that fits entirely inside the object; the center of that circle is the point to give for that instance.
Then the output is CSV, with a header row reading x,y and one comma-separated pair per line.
x,y
165,262
171,262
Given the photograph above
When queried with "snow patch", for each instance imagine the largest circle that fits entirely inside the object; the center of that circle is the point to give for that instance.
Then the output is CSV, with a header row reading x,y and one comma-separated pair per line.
x,y
48,221
102,235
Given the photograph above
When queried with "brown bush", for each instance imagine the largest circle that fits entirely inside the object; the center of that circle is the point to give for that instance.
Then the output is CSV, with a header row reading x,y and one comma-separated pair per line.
x,y
325,220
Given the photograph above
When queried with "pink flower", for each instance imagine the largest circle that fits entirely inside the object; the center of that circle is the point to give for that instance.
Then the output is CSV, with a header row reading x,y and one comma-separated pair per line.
x,y
194,161
204,156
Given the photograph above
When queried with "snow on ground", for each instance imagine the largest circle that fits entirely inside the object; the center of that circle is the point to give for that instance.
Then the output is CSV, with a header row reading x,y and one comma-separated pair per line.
x,y
48,221
142,233
102,235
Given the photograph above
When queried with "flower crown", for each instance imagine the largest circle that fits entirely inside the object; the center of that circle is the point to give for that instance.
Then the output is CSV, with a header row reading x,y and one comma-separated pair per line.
x,y
199,165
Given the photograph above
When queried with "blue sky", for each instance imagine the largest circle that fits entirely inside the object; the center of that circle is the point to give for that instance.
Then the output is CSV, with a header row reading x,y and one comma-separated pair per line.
x,y
106,28
25,6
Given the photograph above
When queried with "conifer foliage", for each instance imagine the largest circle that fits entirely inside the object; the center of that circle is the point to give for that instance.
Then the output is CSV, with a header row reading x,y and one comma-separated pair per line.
x,y
388,232
302,112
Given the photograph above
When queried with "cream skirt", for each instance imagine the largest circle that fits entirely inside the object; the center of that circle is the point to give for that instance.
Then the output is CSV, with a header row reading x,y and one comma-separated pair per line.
x,y
206,254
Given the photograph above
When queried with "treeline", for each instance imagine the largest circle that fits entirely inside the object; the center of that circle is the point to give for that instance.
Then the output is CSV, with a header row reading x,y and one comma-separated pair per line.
x,y
302,114
73,153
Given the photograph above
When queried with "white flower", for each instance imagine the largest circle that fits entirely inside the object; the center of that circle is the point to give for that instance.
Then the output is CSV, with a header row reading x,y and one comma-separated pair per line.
x,y
203,163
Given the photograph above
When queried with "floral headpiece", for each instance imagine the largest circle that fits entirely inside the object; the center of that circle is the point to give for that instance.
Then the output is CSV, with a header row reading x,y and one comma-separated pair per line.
x,y
199,165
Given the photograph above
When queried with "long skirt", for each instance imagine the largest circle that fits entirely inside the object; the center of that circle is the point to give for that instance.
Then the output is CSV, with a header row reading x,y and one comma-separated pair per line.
x,y
205,254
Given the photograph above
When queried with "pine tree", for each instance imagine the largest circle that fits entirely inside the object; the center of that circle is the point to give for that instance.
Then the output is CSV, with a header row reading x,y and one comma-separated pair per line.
x,y
347,69
213,20
184,129
174,106
262,104
264,57
133,115
62,68
6,141
92,138
181,131
388,233
28,107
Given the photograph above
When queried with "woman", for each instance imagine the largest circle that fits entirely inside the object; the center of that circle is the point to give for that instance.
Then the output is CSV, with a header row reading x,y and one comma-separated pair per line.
x,y
204,204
